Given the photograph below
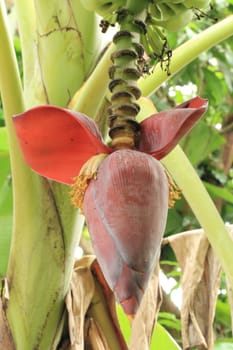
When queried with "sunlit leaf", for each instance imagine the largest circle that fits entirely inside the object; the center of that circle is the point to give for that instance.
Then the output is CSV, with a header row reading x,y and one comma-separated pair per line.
x,y
124,323
169,320
162,340
224,345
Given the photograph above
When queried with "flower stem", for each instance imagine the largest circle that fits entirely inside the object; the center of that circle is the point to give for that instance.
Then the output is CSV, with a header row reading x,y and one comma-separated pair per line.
x,y
124,74
186,53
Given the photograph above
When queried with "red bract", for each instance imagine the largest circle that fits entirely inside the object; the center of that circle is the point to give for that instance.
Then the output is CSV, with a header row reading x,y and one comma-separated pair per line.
x,y
126,203
126,210
56,142
161,132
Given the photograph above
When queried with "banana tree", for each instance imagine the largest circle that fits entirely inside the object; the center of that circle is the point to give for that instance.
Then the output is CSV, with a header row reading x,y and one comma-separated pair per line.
x,y
54,120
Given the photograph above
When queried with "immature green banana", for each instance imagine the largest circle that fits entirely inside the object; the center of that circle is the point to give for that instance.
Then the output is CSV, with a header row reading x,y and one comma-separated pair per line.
x,y
156,40
200,4
164,11
102,7
174,15
175,22
171,15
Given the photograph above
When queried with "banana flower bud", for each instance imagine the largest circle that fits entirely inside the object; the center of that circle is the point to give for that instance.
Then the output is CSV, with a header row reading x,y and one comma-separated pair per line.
x,y
126,200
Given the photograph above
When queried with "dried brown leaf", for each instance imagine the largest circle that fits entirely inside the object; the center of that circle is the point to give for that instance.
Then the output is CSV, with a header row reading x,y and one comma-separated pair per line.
x,y
91,310
95,336
6,340
78,300
145,319
200,281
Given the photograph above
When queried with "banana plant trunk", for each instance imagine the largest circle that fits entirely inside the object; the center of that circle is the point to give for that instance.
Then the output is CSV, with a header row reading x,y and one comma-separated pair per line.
x,y
59,47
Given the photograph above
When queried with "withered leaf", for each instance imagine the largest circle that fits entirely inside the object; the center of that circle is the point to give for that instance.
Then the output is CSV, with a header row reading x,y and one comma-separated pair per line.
x,y
145,319
91,310
95,336
6,340
78,300
200,281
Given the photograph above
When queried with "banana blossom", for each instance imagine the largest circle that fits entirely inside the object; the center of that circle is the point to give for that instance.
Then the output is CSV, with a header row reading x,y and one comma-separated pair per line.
x,y
126,197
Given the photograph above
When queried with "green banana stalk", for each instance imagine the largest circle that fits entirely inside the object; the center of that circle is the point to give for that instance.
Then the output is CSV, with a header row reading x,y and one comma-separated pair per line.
x,y
64,37
28,40
46,228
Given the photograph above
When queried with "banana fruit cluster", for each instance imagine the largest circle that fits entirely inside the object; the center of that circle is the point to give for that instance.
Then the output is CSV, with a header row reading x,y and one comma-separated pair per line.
x,y
103,8
174,14
171,15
